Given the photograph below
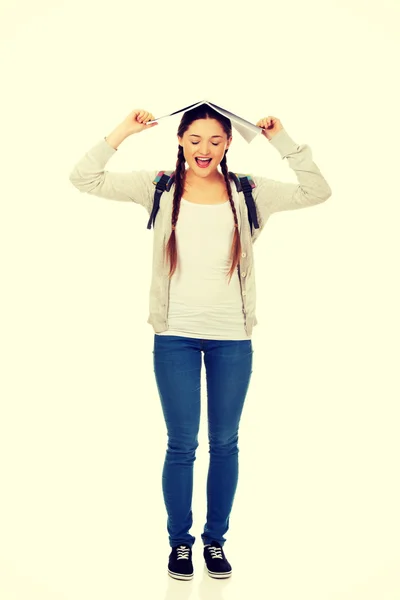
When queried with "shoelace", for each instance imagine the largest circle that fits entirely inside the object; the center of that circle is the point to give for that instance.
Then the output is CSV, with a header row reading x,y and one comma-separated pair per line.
x,y
183,552
215,552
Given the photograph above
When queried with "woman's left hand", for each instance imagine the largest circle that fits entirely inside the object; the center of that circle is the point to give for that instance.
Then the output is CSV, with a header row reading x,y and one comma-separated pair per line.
x,y
270,125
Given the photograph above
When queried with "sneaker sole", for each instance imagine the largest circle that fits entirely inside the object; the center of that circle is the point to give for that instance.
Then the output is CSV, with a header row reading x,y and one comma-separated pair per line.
x,y
180,576
219,575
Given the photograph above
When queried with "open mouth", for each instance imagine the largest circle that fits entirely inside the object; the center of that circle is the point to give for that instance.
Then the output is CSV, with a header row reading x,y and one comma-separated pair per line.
x,y
203,164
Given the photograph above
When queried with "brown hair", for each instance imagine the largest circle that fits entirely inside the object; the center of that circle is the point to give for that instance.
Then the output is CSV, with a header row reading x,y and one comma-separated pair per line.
x,y
201,112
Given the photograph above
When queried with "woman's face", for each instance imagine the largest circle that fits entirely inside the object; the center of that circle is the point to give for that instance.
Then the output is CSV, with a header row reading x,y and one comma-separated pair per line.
x,y
204,138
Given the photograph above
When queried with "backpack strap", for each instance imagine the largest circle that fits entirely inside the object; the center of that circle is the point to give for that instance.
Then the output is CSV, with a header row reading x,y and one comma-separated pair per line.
x,y
244,183
162,181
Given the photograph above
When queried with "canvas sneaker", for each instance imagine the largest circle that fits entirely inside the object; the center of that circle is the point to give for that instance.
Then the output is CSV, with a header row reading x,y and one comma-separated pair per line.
x,y
180,564
216,562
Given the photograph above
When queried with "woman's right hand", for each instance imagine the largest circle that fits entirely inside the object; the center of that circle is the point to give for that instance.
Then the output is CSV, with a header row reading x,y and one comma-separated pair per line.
x,y
136,121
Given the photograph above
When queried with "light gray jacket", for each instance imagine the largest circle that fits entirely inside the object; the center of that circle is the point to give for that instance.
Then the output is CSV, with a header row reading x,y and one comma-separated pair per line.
x,y
89,176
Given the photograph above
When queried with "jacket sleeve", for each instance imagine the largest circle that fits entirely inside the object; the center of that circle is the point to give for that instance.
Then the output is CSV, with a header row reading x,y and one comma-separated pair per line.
x,y
89,176
272,196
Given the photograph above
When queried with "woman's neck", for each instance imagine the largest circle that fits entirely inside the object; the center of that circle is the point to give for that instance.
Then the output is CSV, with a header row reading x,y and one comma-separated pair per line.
x,y
203,183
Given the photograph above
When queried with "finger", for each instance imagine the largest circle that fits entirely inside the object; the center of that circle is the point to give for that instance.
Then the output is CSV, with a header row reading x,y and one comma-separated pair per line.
x,y
142,116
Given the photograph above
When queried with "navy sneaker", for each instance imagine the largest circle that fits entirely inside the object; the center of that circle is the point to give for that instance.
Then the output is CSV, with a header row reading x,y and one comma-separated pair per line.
x,y
216,562
180,564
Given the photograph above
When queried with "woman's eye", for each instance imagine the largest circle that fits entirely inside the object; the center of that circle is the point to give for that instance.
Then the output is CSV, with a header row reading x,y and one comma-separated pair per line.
x,y
195,143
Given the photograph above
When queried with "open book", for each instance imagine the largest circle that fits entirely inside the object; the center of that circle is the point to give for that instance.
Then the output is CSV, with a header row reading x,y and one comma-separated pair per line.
x,y
246,129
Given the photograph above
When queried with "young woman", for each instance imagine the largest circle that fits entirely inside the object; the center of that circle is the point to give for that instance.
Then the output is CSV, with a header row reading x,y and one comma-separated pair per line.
x,y
202,300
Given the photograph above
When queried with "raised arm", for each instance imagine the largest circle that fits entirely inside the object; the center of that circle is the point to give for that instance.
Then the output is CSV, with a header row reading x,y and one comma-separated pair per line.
x,y
89,174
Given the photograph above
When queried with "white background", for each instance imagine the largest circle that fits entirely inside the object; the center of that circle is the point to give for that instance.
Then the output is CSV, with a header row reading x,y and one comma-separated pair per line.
x,y
82,437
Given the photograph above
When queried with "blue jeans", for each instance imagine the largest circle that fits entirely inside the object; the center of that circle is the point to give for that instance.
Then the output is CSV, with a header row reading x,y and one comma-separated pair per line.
x,y
177,368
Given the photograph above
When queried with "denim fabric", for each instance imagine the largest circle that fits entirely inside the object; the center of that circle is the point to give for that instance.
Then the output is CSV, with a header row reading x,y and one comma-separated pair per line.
x,y
177,368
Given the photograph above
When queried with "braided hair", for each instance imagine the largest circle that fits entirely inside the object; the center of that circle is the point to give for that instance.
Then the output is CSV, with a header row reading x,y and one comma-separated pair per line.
x,y
201,112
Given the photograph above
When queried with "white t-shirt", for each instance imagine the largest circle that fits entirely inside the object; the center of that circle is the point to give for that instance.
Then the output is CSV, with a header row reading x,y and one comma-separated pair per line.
x,y
201,302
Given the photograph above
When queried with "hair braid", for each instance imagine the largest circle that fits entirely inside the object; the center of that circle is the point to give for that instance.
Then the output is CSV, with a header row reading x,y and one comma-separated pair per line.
x,y
180,173
236,246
